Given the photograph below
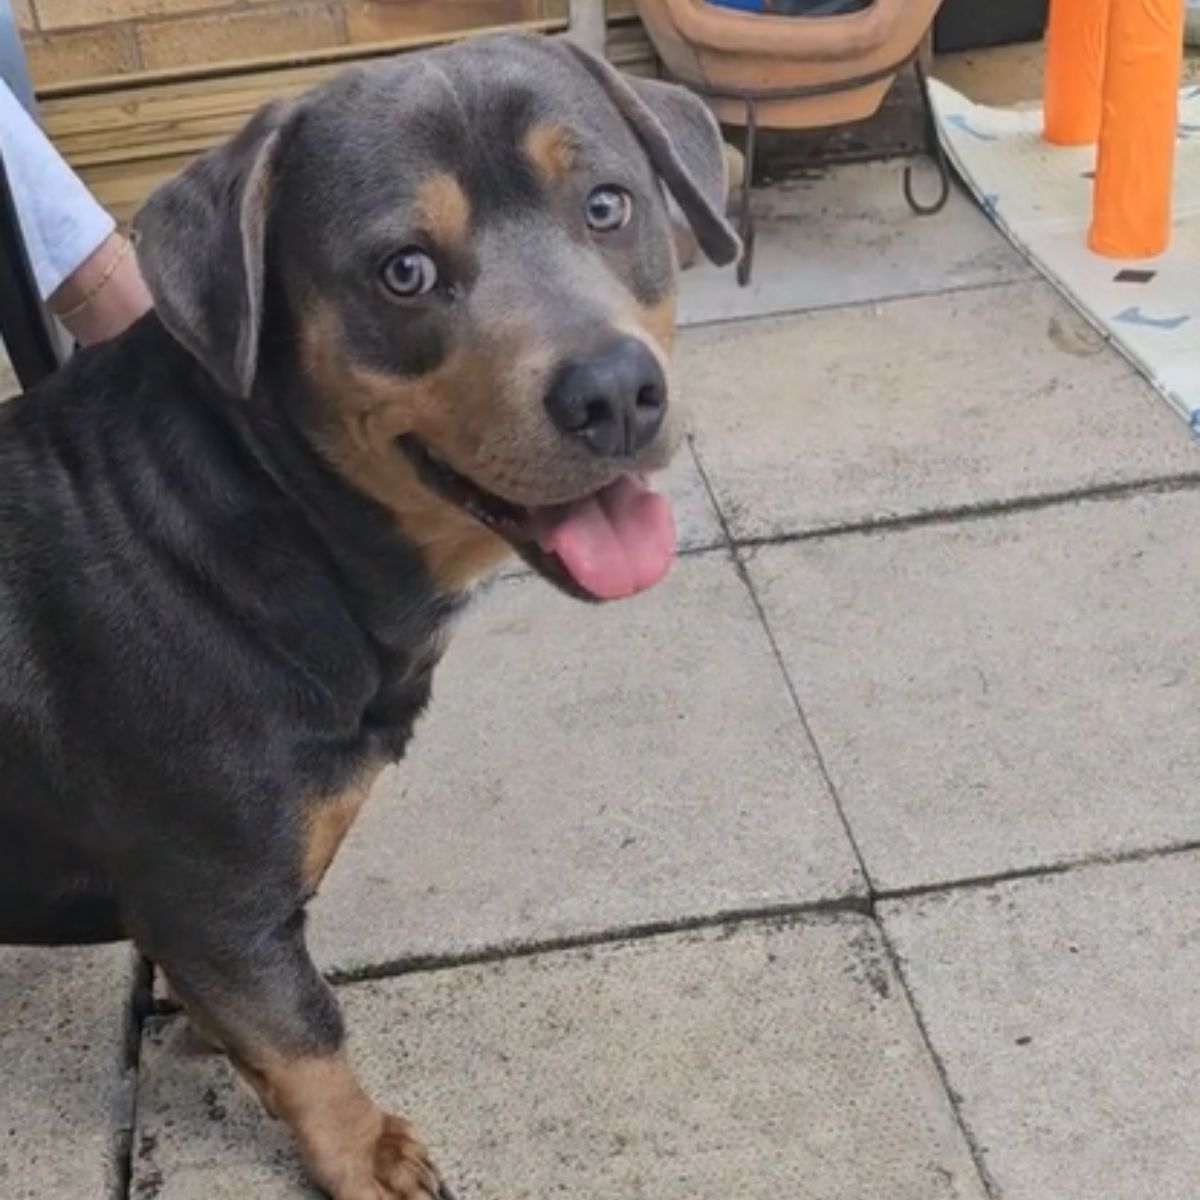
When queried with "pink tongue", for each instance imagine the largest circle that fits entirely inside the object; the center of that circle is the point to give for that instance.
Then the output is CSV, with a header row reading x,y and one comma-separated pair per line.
x,y
617,542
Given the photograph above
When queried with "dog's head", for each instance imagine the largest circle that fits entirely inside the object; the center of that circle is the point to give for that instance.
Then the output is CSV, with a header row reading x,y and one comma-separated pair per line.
x,y
468,256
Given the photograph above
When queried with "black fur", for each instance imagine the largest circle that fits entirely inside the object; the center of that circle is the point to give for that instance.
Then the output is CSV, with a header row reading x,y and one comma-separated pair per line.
x,y
186,645
205,626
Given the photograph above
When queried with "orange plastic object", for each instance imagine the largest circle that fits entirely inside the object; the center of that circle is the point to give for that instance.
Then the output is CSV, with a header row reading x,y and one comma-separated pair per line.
x,y
1131,207
1074,75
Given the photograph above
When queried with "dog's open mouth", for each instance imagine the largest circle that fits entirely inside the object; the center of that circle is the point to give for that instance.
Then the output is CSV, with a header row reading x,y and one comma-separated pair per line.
x,y
610,544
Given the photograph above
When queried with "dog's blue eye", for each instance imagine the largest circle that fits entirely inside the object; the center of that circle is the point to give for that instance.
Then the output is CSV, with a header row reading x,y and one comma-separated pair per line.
x,y
608,209
409,273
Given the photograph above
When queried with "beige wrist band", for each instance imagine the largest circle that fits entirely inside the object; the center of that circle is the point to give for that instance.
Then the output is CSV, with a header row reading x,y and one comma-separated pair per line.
x,y
100,283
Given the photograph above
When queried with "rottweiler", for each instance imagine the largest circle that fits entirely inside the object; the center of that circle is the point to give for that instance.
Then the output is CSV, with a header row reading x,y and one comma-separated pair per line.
x,y
404,325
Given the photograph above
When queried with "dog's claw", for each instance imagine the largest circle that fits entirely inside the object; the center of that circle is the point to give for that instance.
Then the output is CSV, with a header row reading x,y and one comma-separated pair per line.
x,y
444,1193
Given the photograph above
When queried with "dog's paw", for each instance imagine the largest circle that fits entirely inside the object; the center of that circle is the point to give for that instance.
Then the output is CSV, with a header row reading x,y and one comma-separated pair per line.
x,y
403,1169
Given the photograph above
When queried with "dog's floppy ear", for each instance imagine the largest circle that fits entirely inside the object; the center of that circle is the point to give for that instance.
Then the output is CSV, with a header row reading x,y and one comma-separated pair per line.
x,y
682,139
201,238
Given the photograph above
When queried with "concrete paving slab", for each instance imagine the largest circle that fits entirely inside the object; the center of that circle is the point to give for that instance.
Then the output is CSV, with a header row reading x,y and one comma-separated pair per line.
x,y
66,1104
757,1062
878,411
1065,1011
584,769
844,236
1005,693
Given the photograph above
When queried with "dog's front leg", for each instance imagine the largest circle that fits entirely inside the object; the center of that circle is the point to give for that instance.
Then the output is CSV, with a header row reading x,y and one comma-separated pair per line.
x,y
251,987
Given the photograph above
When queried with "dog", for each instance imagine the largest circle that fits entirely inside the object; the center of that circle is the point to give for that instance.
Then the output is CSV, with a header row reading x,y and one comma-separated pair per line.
x,y
404,325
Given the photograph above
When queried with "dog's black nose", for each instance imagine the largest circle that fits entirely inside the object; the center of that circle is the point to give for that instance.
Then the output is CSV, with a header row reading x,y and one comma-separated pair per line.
x,y
613,401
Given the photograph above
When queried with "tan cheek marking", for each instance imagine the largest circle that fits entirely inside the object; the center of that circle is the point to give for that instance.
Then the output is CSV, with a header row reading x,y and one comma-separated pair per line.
x,y
327,821
366,411
351,1147
653,324
658,320
456,557
442,208
552,149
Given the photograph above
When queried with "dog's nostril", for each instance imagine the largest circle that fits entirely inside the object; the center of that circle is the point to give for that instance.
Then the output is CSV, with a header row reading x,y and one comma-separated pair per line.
x,y
651,396
596,412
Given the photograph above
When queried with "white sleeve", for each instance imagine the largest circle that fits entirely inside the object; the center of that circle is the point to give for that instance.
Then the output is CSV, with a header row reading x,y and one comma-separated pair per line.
x,y
61,221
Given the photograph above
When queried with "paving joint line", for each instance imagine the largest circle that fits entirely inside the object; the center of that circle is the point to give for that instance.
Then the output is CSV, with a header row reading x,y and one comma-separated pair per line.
x,y
725,540
1102,493
956,289
822,767
727,921
953,1097
1042,870
140,1006
743,574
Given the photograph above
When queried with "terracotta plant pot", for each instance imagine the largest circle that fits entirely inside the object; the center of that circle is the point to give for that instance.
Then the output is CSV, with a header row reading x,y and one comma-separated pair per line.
x,y
727,53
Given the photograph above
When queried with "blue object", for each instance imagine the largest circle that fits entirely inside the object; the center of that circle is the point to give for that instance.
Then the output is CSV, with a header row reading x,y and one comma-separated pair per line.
x,y
1134,316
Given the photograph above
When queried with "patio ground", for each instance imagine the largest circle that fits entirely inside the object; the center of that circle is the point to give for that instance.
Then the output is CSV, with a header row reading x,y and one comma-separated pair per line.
x,y
860,861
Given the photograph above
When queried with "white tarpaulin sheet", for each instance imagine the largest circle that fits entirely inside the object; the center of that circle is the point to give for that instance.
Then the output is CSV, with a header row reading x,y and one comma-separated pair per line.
x,y
1040,196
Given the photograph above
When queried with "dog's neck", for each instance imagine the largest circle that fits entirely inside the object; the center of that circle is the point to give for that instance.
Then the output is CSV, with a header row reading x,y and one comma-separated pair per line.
x,y
244,467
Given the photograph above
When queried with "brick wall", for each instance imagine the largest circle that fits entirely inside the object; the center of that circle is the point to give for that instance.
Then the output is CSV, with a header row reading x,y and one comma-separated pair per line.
x,y
79,40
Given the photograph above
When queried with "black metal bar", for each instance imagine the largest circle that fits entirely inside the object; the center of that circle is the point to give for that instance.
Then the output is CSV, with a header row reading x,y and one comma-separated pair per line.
x,y
24,322
746,216
751,98
933,146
